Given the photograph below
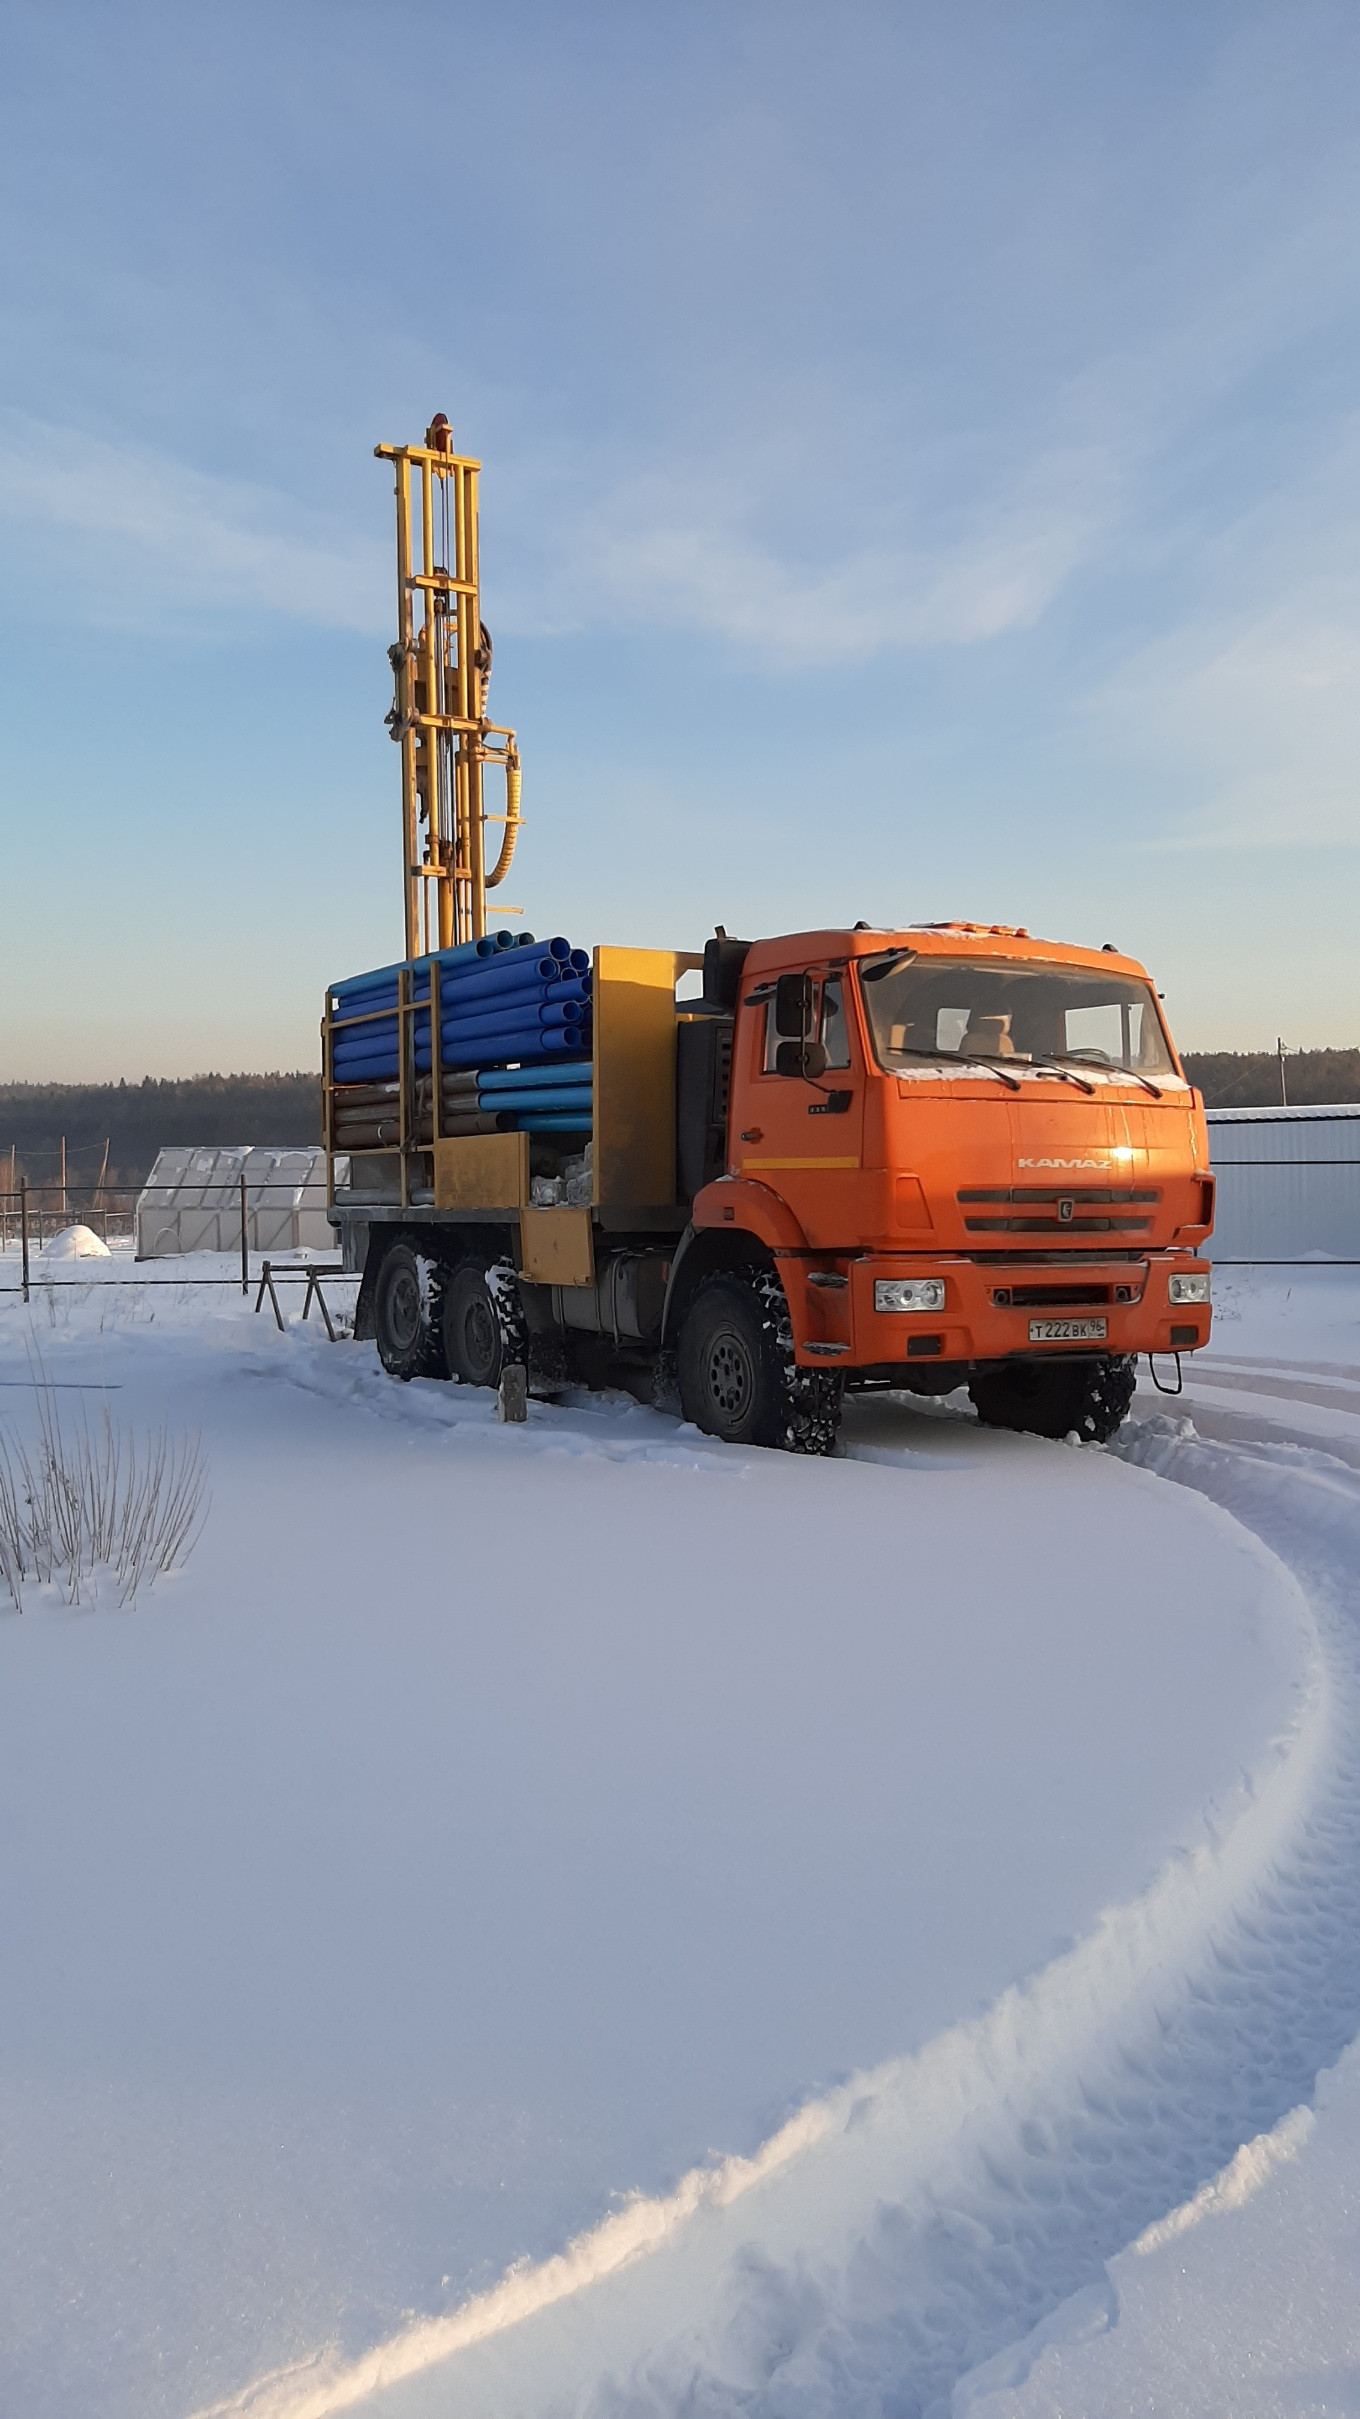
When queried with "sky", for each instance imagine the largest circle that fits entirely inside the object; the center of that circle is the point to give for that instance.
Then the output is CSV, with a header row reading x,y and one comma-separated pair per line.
x,y
922,480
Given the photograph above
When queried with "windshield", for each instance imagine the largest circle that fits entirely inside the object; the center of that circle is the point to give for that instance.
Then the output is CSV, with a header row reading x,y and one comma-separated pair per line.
x,y
985,1008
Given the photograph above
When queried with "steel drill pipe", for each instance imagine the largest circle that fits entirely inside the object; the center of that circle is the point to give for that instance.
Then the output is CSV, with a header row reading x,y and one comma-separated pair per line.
x,y
457,1123
384,1135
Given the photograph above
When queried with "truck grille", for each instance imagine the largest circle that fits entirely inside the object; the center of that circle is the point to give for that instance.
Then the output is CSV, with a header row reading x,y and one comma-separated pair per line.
x,y
1059,1210
1059,1297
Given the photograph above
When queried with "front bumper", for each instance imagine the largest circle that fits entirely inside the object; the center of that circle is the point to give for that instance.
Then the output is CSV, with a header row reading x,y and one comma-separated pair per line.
x,y
988,1308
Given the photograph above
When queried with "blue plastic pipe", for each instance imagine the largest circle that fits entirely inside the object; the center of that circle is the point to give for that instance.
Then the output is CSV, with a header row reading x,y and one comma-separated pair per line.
x,y
509,1041
561,1104
505,1080
543,1019
521,1008
491,945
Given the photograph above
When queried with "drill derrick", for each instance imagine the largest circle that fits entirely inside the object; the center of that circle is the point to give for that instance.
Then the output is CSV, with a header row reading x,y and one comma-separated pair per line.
x,y
441,666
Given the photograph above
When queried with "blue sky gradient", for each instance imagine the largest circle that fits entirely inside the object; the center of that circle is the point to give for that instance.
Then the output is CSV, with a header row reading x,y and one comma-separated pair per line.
x,y
922,476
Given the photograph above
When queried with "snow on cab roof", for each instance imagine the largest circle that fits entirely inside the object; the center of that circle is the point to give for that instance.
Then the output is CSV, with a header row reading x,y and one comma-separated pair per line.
x,y
870,940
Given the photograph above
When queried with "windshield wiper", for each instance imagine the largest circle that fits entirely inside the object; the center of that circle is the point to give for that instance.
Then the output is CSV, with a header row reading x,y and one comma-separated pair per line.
x,y
1116,1067
1044,1066
987,1065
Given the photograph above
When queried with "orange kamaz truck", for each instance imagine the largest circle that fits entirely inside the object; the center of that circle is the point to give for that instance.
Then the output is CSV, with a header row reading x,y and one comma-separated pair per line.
x,y
757,1174
924,1159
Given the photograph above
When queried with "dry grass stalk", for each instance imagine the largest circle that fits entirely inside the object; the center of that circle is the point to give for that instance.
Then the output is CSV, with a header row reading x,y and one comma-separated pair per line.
x,y
84,1501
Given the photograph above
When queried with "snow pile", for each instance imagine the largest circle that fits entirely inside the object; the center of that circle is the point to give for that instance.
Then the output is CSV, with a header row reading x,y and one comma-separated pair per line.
x,y
75,1243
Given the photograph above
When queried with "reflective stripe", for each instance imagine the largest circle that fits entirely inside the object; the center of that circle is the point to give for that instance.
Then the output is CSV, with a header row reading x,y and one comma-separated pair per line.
x,y
798,1163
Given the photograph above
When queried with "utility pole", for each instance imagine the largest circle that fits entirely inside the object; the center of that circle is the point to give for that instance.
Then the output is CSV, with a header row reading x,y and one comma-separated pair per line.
x,y
1284,1088
63,1180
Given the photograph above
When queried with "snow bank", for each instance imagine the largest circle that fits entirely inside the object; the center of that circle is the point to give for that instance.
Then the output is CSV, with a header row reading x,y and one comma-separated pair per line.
x,y
1307,1315
1243,2300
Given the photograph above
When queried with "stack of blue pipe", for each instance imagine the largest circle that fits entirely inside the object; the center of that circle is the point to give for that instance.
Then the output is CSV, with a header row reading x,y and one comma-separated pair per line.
x,y
538,1100
505,1001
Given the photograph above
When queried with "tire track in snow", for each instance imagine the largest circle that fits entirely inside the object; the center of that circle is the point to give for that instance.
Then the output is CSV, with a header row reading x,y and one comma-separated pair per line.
x,y
923,2217
1065,2168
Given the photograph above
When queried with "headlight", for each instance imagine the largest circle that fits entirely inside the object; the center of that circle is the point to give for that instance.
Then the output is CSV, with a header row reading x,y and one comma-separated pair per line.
x,y
909,1293
1188,1289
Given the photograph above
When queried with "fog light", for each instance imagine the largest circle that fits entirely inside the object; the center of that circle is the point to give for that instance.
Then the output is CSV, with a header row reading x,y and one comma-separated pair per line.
x,y
1188,1289
909,1293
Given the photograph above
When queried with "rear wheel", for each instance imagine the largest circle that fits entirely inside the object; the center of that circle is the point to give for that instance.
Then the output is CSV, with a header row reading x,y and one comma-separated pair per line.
x,y
483,1326
738,1377
1057,1398
406,1314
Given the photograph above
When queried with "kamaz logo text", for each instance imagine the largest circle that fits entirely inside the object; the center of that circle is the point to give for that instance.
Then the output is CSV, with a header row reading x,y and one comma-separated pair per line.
x,y
1063,1163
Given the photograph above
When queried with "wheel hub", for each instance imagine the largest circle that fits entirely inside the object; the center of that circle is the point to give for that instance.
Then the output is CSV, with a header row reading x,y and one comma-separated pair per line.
x,y
403,1310
479,1335
729,1376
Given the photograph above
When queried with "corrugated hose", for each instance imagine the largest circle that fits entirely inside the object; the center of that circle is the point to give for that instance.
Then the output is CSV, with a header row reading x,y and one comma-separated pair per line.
x,y
512,794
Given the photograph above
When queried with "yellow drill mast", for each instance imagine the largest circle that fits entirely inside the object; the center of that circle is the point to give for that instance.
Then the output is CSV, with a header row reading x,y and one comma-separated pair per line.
x,y
441,665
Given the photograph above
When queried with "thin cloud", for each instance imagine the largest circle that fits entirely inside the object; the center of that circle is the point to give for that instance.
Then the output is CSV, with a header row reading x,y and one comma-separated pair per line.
x,y
1268,715
1251,700
693,550
117,534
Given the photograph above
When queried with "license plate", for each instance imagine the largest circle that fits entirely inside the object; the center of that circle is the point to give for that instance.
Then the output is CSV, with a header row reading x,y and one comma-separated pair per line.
x,y
1067,1331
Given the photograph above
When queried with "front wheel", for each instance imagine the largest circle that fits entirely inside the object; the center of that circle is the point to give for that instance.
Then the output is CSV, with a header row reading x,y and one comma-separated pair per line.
x,y
1058,1398
738,1377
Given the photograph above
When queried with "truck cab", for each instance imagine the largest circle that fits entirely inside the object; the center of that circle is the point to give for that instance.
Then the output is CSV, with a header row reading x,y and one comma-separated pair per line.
x,y
971,1158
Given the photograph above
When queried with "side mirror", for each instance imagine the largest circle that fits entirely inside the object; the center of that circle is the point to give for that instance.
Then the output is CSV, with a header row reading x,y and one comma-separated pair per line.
x,y
800,1058
793,1005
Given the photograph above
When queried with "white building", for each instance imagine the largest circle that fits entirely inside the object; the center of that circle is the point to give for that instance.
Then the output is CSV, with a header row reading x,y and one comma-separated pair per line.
x,y
1288,1183
191,1201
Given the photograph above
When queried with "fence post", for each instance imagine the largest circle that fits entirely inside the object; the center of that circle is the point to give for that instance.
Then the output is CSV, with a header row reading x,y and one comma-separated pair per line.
x,y
23,1228
245,1244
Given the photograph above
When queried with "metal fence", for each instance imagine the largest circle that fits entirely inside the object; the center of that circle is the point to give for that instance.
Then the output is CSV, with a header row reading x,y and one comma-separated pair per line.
x,y
106,1212
27,1216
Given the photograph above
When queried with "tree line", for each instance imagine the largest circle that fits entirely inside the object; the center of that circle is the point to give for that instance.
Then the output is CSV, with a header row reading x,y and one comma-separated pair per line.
x,y
1250,1079
137,1120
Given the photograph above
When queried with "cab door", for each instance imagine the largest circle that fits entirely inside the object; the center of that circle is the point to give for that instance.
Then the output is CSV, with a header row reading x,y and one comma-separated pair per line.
x,y
803,1135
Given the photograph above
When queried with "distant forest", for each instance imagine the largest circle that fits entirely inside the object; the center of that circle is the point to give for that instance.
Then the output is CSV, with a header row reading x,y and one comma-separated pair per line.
x,y
137,1120
1250,1079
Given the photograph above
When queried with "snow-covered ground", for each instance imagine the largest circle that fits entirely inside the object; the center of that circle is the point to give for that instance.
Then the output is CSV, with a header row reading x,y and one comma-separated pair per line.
x,y
572,1918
